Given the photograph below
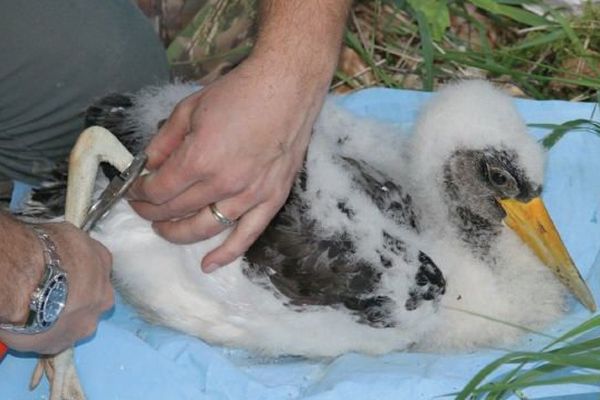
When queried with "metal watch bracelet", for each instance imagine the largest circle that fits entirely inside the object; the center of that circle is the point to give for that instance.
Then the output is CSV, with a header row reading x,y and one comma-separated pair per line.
x,y
54,278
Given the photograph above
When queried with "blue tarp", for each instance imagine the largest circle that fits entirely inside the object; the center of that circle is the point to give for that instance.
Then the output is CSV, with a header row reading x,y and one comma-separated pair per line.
x,y
130,359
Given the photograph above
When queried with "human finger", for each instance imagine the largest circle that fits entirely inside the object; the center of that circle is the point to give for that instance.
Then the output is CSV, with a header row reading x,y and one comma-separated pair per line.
x,y
204,223
173,177
193,199
170,135
247,230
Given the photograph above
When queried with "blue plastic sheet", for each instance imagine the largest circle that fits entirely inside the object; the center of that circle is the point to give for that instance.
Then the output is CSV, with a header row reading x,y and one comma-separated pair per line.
x,y
130,359
19,195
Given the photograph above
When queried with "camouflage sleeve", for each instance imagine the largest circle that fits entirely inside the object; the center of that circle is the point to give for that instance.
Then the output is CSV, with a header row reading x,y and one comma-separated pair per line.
x,y
218,37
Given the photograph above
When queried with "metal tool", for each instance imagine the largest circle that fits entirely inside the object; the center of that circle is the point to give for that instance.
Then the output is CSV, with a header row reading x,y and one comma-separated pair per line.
x,y
117,187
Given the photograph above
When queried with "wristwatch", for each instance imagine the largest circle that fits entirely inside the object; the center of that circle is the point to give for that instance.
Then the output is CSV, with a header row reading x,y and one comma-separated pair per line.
x,y
49,298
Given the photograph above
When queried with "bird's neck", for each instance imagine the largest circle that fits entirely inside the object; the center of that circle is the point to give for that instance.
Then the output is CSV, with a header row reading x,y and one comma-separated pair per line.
x,y
472,228
475,231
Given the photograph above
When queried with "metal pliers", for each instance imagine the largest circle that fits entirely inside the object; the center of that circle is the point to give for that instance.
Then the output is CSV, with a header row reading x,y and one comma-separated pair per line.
x,y
115,190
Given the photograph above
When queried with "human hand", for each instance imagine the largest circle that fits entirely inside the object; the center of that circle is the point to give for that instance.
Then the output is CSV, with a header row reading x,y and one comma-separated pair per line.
x,y
238,143
88,264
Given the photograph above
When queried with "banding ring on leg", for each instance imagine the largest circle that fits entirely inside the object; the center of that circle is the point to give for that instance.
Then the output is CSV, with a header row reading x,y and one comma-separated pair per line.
x,y
219,216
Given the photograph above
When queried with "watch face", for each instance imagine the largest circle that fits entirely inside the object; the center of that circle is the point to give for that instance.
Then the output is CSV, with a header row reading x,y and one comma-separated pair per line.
x,y
55,300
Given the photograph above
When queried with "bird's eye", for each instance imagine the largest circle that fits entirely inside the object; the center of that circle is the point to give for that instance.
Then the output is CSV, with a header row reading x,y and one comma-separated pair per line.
x,y
498,177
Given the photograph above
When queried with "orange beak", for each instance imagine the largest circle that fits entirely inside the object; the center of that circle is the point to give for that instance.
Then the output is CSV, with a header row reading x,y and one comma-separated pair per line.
x,y
534,226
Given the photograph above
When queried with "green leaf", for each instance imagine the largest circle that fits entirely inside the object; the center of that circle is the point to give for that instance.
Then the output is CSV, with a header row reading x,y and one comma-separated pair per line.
x,y
566,25
584,355
483,62
560,130
581,379
541,40
436,13
426,49
584,327
516,13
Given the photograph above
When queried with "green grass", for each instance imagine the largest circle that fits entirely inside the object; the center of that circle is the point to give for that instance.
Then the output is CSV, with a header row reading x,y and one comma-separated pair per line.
x,y
571,358
558,131
506,43
420,44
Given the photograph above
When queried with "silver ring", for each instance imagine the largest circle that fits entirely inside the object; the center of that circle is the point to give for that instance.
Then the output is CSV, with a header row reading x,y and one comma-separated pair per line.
x,y
219,216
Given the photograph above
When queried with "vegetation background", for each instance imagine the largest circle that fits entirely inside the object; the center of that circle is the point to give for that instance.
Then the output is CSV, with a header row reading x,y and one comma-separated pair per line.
x,y
535,48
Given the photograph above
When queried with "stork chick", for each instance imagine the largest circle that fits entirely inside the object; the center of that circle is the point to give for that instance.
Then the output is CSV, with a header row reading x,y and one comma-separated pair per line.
x,y
387,241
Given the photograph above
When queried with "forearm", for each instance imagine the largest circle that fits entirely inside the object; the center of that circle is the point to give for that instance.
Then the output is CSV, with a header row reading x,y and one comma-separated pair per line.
x,y
21,268
302,37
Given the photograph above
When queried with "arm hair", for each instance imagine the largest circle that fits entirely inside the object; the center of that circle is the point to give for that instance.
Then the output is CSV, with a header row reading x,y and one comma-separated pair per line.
x,y
21,268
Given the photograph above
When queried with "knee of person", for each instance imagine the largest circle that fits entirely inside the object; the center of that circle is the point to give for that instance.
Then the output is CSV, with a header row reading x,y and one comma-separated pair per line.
x,y
78,55
122,54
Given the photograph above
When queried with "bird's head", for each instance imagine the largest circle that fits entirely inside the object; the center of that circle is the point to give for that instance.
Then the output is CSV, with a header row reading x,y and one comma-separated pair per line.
x,y
488,172
475,181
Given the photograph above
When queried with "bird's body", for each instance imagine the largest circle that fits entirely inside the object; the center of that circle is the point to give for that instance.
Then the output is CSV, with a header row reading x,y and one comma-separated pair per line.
x,y
388,241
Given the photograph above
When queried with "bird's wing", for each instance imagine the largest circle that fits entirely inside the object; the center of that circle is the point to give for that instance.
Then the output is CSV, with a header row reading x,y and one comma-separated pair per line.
x,y
390,197
311,267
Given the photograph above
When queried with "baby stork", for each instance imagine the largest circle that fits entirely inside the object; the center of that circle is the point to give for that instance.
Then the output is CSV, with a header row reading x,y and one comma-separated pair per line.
x,y
387,241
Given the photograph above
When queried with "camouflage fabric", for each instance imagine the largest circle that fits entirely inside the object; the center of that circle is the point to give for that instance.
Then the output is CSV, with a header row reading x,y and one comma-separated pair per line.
x,y
219,36
204,38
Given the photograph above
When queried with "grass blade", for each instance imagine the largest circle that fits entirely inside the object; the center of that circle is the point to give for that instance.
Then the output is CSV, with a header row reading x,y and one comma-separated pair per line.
x,y
426,49
515,13
541,40
584,355
500,387
560,130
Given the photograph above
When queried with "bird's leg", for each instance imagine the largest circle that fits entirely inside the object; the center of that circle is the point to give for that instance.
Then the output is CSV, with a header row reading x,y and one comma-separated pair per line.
x,y
61,374
95,145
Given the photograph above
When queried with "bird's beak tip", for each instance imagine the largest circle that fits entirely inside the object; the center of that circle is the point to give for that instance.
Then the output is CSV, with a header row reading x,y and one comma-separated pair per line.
x,y
533,225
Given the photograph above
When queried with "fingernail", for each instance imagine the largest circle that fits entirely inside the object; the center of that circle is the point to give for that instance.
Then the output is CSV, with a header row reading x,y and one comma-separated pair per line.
x,y
211,267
